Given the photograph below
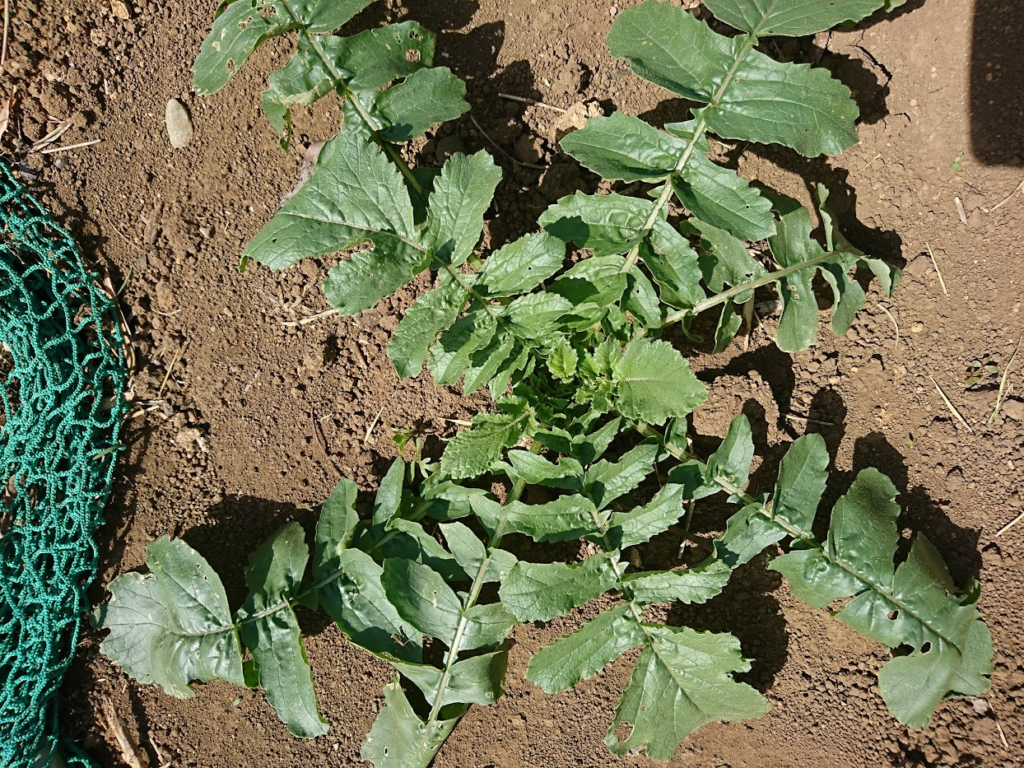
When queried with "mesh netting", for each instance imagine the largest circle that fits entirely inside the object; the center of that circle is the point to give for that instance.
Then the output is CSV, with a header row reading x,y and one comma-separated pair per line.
x,y
62,375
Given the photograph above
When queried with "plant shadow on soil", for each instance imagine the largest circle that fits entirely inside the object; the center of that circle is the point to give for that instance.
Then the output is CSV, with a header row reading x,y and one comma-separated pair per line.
x,y
746,607
997,83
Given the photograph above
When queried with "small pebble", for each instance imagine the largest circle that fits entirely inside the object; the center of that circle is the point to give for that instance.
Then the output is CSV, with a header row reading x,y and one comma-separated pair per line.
x,y
179,124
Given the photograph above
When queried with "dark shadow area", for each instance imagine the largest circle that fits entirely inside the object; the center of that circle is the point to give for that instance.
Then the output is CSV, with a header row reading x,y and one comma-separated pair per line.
x,y
774,366
997,82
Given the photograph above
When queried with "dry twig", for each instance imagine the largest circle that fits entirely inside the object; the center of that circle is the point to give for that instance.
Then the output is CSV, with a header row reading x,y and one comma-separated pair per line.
x,y
369,430
55,150
1005,200
532,102
894,324
949,404
506,154
131,753
1003,381
170,369
7,25
937,271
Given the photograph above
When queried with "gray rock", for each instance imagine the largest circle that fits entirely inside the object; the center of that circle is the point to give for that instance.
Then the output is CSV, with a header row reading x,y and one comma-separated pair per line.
x,y
179,124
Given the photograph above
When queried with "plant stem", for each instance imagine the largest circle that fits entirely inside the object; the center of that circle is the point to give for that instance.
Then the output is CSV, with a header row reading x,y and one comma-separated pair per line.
x,y
474,595
698,133
365,116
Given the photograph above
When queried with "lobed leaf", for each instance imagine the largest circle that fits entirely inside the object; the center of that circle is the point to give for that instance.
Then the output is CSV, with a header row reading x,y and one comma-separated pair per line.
x,y
645,522
172,625
692,585
422,598
477,680
521,265
461,196
624,147
399,738
682,681
911,605
724,199
606,481
472,452
271,631
427,97
565,518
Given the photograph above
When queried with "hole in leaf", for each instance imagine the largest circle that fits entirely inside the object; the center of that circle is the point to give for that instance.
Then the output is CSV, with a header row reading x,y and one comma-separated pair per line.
x,y
230,66
413,55
892,615
926,647
414,35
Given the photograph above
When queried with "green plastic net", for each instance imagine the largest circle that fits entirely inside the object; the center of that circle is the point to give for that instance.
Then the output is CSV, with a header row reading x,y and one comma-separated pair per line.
x,y
63,375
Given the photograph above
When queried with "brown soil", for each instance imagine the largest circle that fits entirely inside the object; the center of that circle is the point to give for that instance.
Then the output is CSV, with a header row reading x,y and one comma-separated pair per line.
x,y
249,423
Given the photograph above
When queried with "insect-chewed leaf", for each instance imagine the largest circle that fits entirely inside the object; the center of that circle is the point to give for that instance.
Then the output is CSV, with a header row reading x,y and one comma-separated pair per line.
x,y
565,518
531,316
303,80
792,18
624,147
426,98
271,631
606,481
725,259
797,106
655,383
732,459
462,194
911,605
802,478
372,59
399,738
692,585
674,265
355,195
522,265
535,592
422,598
472,452
478,680
236,33
644,523
172,625
432,313
682,681
606,224
536,470
586,651
724,199
470,553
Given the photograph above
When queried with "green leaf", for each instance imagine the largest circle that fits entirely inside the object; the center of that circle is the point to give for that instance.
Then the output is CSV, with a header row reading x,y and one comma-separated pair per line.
x,y
521,265
531,316
624,147
472,452
692,585
724,199
410,542
655,383
337,524
354,598
451,356
606,224
562,360
399,738
597,282
802,478
912,605
674,266
236,33
274,575
592,447
478,680
486,362
732,459
486,626
388,500
644,523
422,598
426,98
372,59
172,625
586,651
536,470
470,552
432,313
759,99
725,259
535,592
641,300
462,194
606,481
792,18
682,681
565,518
729,324
355,195
792,246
